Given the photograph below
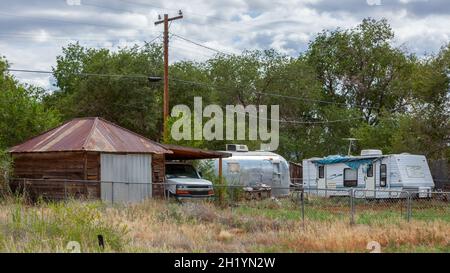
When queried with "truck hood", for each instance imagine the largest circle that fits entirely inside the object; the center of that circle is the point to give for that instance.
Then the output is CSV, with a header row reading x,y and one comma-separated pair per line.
x,y
189,181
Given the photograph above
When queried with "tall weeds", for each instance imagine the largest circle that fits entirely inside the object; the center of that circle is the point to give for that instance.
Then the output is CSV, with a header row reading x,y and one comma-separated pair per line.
x,y
157,226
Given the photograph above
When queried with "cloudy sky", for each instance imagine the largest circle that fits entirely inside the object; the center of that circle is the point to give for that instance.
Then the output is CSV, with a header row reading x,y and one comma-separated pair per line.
x,y
33,31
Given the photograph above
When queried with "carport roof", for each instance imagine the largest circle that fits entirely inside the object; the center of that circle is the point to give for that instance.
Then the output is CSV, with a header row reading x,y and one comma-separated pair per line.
x,y
188,153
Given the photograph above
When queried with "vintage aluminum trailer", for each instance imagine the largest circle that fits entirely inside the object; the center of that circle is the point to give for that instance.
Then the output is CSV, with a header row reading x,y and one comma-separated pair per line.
x,y
371,175
249,168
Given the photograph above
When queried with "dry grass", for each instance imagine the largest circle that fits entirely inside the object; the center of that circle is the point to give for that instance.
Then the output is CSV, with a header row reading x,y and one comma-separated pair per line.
x,y
155,226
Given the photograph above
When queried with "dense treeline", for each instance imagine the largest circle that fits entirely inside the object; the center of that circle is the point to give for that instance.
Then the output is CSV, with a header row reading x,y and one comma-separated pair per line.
x,y
348,83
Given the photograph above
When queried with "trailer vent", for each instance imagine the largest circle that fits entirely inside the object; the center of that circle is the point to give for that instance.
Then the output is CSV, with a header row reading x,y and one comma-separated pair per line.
x,y
371,152
237,148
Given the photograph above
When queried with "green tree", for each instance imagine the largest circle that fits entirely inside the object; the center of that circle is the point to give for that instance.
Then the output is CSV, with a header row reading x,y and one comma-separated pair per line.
x,y
21,110
426,128
361,68
112,85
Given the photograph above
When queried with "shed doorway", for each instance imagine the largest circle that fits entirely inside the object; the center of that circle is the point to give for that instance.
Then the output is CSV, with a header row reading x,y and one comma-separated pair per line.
x,y
126,177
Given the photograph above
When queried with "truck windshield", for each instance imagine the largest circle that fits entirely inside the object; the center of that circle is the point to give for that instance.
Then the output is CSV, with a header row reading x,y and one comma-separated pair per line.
x,y
180,171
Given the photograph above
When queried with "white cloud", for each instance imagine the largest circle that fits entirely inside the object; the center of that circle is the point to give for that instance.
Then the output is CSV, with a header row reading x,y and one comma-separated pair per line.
x,y
33,35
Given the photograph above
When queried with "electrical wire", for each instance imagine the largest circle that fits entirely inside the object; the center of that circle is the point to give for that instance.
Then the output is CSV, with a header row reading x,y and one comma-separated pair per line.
x,y
144,76
62,21
200,45
80,73
278,95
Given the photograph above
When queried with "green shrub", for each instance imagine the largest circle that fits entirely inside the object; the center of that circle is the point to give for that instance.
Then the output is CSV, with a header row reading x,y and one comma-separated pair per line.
x,y
5,170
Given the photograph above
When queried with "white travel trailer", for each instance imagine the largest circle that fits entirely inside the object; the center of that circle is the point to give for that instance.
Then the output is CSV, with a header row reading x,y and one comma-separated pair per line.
x,y
249,168
372,175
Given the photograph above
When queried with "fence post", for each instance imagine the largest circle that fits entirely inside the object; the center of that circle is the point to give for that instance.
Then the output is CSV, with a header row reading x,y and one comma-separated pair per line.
x,y
352,207
65,189
164,191
303,207
128,189
232,197
408,207
112,192
25,194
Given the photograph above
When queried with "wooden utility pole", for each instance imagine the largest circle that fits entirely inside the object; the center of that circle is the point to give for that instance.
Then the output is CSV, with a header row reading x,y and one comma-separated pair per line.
x,y
165,21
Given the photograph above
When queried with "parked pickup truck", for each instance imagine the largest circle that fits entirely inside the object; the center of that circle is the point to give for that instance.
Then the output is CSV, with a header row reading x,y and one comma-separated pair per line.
x,y
184,181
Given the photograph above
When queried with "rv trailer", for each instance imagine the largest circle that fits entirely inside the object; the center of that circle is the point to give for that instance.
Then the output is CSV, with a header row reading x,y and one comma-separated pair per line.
x,y
249,168
371,175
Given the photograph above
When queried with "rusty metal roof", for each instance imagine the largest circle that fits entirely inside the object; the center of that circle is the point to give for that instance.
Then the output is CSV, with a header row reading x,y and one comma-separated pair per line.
x,y
188,153
90,134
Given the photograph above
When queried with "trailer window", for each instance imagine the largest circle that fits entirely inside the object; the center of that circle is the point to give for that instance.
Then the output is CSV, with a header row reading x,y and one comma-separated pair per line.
x,y
350,177
321,171
383,175
370,170
415,171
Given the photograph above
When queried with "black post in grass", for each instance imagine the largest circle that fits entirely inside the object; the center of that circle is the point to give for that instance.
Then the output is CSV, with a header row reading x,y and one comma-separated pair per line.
x,y
101,241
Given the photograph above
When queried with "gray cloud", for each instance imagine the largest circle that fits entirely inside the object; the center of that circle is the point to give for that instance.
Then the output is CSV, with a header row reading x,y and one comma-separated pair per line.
x,y
33,32
420,8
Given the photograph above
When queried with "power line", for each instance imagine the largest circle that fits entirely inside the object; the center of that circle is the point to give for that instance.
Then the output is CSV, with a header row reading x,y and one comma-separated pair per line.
x,y
173,9
199,44
88,38
146,77
296,121
278,95
109,8
307,99
181,48
61,21
183,81
80,73
198,15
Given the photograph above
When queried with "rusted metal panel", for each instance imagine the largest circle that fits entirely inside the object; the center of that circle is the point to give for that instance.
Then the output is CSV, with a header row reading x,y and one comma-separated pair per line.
x,y
90,134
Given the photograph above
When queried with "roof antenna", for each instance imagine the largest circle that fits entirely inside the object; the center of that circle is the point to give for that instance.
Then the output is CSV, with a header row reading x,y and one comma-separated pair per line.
x,y
351,140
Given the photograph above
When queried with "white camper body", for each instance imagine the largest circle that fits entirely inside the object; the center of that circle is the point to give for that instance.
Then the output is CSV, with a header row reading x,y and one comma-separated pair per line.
x,y
256,167
371,176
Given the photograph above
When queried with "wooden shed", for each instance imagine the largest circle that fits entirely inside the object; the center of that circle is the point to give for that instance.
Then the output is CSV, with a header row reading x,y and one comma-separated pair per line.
x,y
296,172
72,159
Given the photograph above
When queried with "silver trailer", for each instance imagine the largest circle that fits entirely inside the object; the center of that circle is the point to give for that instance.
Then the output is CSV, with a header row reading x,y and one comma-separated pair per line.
x,y
249,168
372,173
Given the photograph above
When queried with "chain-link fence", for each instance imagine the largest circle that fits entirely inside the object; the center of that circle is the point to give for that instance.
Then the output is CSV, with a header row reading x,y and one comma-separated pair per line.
x,y
355,206
429,206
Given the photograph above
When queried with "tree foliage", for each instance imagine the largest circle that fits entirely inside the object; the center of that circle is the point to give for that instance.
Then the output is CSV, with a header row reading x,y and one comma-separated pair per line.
x,y
130,100
22,113
348,83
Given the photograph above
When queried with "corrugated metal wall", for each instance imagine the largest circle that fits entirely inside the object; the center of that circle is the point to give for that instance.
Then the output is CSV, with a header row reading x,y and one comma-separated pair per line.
x,y
126,177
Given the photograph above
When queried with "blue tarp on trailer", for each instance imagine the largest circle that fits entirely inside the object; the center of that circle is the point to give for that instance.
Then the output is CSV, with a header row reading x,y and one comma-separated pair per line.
x,y
352,162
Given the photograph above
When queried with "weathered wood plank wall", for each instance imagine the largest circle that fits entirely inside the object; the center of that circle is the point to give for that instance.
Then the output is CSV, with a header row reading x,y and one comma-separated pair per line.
x,y
59,175
46,174
159,172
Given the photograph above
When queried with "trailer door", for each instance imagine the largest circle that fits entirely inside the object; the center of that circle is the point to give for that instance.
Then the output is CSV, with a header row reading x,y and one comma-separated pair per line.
x,y
370,180
321,182
276,175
